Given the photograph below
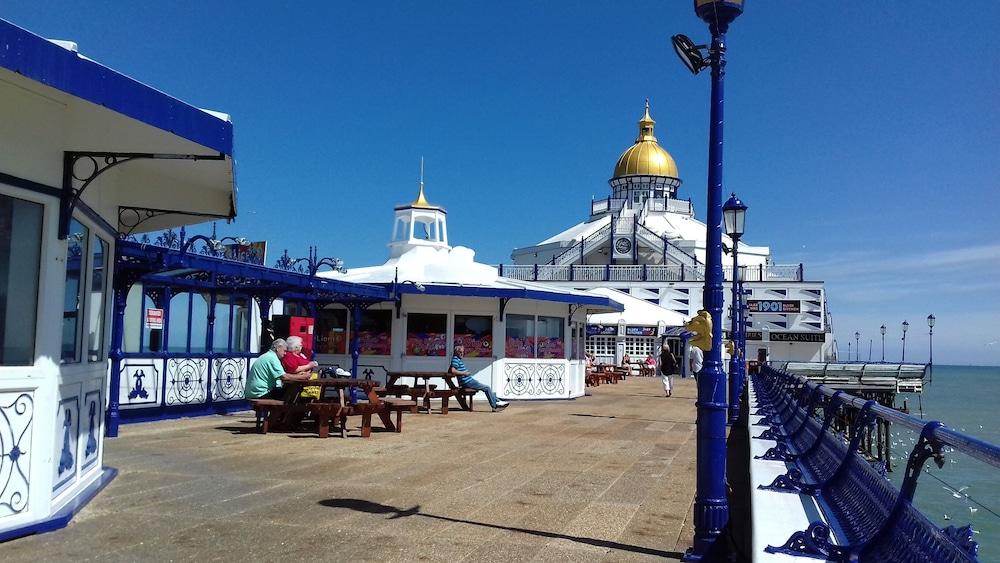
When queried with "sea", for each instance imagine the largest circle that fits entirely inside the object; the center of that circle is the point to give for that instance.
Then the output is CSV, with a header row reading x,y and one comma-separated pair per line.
x,y
965,490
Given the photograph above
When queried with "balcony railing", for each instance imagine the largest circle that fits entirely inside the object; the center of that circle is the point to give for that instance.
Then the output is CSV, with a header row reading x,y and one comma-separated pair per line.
x,y
614,204
647,273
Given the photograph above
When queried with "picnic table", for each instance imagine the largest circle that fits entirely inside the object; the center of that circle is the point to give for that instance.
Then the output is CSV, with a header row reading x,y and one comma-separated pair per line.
x,y
336,408
423,393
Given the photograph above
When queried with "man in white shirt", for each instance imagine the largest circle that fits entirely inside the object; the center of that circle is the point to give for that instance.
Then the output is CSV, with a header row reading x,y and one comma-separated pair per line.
x,y
695,360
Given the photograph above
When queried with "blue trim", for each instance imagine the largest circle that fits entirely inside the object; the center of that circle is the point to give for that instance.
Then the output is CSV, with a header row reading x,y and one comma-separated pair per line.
x,y
61,519
152,414
513,293
41,60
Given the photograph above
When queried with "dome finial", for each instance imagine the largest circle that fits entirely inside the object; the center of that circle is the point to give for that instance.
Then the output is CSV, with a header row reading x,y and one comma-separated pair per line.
x,y
646,126
421,200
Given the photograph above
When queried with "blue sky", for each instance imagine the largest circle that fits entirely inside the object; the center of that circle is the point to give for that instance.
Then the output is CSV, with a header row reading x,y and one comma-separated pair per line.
x,y
864,137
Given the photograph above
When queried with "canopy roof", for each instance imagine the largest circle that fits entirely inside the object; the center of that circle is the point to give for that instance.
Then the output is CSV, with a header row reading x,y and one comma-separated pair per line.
x,y
636,312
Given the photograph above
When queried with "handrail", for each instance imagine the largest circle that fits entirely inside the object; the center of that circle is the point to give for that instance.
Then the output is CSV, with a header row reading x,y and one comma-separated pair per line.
x,y
969,445
693,257
573,247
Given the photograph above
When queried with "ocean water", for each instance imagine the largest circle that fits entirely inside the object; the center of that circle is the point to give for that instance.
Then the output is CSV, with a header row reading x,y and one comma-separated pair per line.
x,y
965,398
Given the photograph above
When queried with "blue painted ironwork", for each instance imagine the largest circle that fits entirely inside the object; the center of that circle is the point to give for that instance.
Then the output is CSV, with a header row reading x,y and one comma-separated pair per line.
x,y
15,426
309,265
737,361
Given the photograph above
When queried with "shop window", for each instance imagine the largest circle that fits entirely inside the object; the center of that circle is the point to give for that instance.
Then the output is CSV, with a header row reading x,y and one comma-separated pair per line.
x,y
331,331
98,299
76,258
199,321
551,337
20,255
240,339
520,336
426,334
222,329
375,334
177,329
475,333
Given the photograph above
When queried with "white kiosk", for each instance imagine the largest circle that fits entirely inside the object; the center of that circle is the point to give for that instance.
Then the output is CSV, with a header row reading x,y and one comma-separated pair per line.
x,y
88,155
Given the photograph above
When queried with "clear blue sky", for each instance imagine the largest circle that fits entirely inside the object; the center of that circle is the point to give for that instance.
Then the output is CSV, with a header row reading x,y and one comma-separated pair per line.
x,y
865,137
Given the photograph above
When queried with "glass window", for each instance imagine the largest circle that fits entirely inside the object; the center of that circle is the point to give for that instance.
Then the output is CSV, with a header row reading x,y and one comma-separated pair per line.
x,y
20,255
76,258
199,321
222,329
475,333
241,325
331,331
133,317
98,299
520,336
177,336
376,333
426,334
152,338
551,341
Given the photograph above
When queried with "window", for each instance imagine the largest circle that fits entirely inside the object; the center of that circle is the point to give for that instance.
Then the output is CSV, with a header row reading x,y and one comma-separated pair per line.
x,y
177,331
520,336
20,256
222,328
550,341
199,321
331,331
475,333
240,339
426,334
375,334
98,299
76,258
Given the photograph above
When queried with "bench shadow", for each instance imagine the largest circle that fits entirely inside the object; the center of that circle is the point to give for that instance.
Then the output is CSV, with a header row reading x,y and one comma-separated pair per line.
x,y
632,418
239,430
361,505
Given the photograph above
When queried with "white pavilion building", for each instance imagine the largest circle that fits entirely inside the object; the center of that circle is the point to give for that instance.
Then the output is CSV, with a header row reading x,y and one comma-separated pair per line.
x,y
644,240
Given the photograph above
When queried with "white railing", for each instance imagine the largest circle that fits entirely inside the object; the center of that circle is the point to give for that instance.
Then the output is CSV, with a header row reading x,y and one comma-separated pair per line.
x,y
630,273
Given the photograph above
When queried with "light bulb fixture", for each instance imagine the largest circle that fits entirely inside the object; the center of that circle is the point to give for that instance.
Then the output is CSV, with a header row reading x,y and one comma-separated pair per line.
x,y
689,53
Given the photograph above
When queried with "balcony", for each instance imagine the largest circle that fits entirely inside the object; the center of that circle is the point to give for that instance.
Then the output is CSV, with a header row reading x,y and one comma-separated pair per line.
x,y
645,273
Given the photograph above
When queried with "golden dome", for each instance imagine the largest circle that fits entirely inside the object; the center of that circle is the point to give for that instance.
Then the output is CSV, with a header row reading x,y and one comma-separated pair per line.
x,y
646,157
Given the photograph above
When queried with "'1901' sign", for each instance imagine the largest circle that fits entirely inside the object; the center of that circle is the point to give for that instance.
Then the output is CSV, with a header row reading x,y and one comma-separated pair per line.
x,y
773,306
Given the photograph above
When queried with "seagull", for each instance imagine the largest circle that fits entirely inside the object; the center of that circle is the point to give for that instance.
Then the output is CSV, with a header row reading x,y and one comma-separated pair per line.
x,y
973,510
946,517
955,492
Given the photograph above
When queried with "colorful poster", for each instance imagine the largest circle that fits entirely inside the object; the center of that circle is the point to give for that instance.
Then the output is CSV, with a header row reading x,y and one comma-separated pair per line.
x,y
640,331
375,343
773,306
426,344
333,341
551,347
476,346
523,347
602,330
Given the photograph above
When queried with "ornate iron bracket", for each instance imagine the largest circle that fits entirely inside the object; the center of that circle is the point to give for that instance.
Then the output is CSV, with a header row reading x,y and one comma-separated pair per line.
x,y
814,542
81,168
771,434
779,452
790,482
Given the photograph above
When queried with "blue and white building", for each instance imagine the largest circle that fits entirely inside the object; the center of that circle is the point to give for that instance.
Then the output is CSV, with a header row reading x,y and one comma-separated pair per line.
x,y
644,239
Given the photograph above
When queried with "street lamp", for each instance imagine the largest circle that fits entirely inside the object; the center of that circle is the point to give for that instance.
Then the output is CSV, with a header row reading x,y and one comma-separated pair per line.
x,y
711,506
734,214
882,330
931,319
857,346
906,325
848,351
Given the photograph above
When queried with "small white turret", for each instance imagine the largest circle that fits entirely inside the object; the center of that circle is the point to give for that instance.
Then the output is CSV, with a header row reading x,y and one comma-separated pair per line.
x,y
419,224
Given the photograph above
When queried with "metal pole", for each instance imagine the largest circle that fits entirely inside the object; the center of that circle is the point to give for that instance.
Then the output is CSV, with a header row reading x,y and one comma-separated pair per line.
x,y
117,336
735,373
711,506
883,347
930,359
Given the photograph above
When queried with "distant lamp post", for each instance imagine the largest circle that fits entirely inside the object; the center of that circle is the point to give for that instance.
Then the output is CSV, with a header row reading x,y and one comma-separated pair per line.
x,y
931,319
734,214
906,326
848,350
882,330
711,505
857,346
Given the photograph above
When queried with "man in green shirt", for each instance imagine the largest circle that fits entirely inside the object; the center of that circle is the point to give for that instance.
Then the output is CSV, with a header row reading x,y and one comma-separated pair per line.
x,y
266,372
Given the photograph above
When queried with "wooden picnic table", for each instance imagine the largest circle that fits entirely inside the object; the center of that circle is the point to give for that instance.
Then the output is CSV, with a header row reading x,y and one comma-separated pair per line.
x,y
424,393
340,408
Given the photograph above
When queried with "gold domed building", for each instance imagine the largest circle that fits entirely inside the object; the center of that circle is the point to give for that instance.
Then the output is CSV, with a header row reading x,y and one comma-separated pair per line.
x,y
645,241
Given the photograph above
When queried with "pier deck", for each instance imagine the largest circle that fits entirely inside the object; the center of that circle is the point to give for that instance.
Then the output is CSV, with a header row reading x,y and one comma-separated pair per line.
x,y
602,478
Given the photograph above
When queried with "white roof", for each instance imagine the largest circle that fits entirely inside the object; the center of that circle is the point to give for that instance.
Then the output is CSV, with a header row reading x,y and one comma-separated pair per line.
x,y
580,230
637,311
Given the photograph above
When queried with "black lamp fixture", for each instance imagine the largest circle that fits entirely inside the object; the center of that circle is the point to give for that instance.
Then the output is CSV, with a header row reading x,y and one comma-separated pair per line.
x,y
689,53
734,212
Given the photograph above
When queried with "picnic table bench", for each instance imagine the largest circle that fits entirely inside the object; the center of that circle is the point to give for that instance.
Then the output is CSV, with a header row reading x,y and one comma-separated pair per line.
x,y
424,392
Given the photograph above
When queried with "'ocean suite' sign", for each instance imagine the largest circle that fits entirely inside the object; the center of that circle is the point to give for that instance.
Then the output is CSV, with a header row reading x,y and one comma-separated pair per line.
x,y
773,306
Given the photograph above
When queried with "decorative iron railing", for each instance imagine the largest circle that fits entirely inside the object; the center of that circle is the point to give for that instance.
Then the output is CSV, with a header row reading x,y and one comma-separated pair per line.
x,y
874,520
643,273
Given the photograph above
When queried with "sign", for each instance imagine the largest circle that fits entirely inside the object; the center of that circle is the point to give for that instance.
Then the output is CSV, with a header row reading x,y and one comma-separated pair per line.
x,y
154,319
773,306
602,330
640,331
253,253
798,337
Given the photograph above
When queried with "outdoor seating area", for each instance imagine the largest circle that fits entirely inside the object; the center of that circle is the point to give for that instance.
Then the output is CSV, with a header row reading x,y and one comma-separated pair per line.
x,y
577,480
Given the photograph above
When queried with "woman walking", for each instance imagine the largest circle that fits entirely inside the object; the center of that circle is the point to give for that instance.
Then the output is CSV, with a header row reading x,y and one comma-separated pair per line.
x,y
668,367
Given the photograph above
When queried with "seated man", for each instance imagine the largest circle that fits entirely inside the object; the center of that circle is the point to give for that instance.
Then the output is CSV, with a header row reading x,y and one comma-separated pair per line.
x,y
466,380
264,381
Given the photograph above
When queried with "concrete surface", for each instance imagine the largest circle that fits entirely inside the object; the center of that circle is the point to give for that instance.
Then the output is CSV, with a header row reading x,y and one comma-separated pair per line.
x,y
608,477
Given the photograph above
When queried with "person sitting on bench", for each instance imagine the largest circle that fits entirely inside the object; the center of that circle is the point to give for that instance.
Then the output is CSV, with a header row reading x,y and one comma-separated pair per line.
x,y
264,381
466,380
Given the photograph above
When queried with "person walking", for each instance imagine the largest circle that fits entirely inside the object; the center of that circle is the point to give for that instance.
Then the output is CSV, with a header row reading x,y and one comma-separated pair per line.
x,y
668,367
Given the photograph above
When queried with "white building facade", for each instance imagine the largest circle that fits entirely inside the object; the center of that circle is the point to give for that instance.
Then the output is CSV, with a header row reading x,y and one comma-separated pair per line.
x,y
645,241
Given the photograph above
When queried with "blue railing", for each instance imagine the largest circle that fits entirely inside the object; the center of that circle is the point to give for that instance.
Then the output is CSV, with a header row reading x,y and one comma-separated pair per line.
x,y
874,520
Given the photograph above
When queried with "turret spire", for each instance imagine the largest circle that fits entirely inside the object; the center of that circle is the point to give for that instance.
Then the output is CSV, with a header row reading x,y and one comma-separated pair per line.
x,y
421,200
646,126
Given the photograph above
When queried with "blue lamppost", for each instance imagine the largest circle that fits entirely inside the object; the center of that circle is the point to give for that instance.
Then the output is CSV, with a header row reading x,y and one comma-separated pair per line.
x,y
906,325
931,319
734,212
882,330
711,506
857,346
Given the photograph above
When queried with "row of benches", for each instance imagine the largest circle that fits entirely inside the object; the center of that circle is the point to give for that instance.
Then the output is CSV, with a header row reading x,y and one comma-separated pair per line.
x,y
864,516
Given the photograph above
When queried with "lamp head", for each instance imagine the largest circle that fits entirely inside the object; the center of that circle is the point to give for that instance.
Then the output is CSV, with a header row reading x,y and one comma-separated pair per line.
x,y
882,329
718,13
931,319
689,53
857,335
906,325
735,212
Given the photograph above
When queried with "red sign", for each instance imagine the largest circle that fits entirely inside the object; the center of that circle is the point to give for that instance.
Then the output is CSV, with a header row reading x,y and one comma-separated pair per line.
x,y
154,318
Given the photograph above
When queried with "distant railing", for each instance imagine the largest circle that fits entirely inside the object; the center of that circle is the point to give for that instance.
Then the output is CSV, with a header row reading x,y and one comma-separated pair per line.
x,y
639,273
613,204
